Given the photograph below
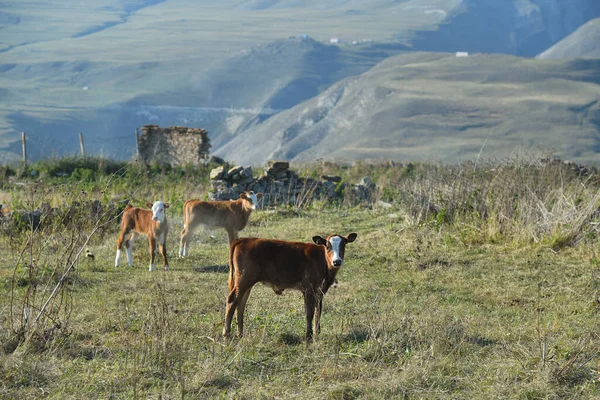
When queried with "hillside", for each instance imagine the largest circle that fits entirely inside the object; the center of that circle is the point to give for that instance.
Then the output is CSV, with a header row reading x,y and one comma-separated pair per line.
x,y
584,42
106,67
224,98
237,93
423,106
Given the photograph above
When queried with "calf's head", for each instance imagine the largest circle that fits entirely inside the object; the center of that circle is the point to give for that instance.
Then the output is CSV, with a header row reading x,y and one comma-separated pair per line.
x,y
251,198
335,245
158,210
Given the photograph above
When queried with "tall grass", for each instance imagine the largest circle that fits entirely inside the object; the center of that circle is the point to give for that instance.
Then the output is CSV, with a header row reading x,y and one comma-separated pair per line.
x,y
526,198
521,199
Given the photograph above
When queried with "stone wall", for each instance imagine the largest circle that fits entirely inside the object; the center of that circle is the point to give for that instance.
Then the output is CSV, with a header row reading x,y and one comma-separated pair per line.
x,y
176,145
281,185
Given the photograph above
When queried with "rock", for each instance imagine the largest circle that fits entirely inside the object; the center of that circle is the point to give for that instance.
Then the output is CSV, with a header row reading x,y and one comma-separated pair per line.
x,y
225,194
246,172
281,185
280,165
29,219
329,189
234,170
331,178
217,173
367,182
279,175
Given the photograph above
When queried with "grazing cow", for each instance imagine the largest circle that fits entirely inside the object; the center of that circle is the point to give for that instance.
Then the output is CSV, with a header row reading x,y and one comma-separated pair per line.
x,y
230,215
310,268
152,223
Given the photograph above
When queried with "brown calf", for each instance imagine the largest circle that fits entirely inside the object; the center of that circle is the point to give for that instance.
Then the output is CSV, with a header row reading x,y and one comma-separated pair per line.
x,y
152,223
231,215
310,268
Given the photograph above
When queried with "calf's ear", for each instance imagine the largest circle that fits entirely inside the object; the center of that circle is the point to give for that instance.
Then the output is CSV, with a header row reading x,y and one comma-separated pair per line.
x,y
351,237
166,205
149,205
319,240
259,195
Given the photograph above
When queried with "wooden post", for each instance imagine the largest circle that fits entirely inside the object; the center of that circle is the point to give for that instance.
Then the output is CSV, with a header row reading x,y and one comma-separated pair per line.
x,y
24,141
81,147
137,144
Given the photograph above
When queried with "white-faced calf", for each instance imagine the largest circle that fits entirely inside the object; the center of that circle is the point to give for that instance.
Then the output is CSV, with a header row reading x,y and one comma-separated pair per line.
x,y
310,268
152,223
230,215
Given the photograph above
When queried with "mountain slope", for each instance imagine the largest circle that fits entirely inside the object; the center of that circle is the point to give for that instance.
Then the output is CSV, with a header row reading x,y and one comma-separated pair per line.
x,y
521,27
584,42
424,106
224,98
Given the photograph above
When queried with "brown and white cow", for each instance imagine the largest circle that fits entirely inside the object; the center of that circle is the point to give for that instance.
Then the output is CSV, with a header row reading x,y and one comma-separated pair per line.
x,y
310,268
152,223
230,215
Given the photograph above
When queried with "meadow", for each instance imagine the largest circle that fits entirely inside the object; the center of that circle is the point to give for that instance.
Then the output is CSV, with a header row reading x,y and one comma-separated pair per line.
x,y
477,280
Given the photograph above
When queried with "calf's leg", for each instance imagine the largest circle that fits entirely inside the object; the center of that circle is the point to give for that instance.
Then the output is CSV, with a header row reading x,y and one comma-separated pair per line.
x,y
152,243
318,308
120,246
185,240
129,249
241,307
231,234
186,235
163,251
232,301
309,306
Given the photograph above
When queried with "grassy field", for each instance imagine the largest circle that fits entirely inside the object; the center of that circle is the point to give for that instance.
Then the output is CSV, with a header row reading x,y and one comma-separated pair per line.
x,y
433,301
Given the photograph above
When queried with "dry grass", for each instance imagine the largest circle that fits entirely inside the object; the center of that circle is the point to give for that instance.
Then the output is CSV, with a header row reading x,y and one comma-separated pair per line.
x,y
428,307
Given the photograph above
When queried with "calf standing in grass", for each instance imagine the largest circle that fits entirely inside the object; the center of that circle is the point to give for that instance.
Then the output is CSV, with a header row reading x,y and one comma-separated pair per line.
x,y
310,268
230,215
152,223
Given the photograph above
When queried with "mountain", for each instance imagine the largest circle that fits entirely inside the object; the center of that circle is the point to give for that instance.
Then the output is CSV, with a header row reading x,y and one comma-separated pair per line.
x,y
106,67
522,27
584,42
266,79
424,106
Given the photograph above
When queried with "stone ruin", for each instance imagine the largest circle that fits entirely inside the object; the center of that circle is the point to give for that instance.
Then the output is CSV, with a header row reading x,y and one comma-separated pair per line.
x,y
177,145
281,185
